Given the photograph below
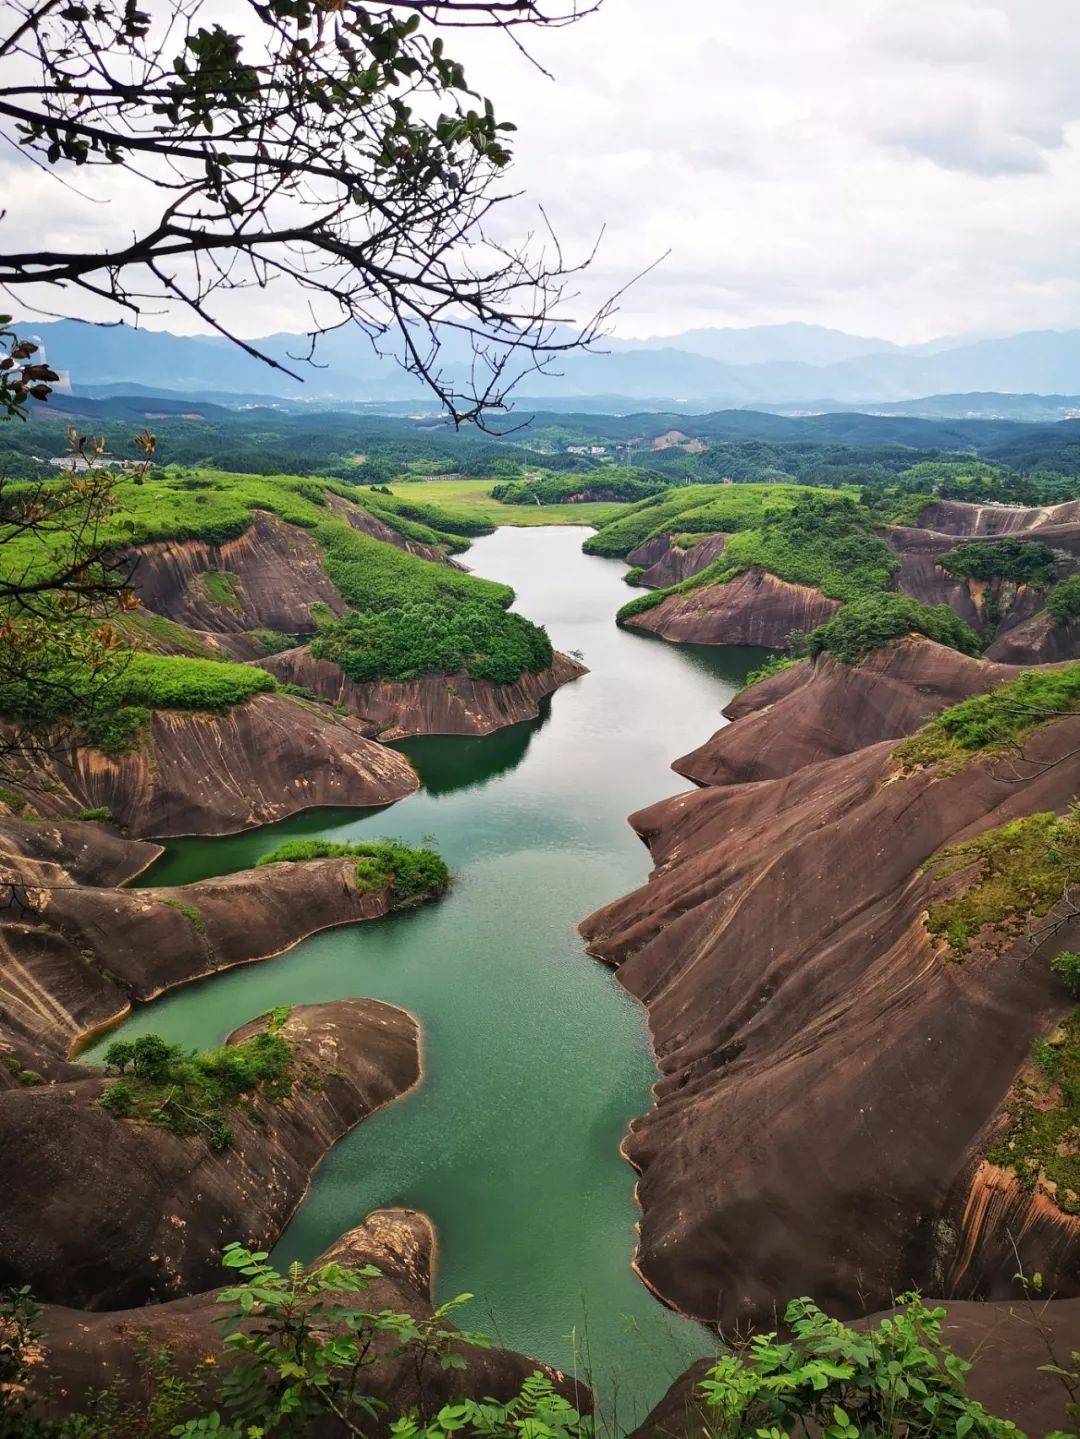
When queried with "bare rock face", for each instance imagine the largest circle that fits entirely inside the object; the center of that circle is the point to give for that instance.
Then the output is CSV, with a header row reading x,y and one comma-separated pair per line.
x,y
111,1213
369,524
268,578
666,564
830,1079
204,773
1037,640
823,708
452,704
73,958
958,517
79,1347
755,608
1005,1344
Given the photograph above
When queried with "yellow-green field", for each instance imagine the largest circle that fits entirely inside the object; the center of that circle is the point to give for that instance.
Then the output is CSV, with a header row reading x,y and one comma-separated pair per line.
x,y
471,499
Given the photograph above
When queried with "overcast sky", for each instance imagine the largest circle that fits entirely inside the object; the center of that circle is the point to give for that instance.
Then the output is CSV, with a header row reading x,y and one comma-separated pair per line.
x,y
901,170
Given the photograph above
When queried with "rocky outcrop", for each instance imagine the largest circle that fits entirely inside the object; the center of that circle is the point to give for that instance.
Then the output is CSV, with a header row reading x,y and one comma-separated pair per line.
x,y
268,578
664,563
73,958
78,1347
823,708
829,1077
369,524
450,704
921,577
1005,1343
958,517
1037,640
755,608
208,773
111,1213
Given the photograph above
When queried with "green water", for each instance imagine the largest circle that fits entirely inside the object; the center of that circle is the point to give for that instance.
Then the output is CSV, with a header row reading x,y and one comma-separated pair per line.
x,y
535,1060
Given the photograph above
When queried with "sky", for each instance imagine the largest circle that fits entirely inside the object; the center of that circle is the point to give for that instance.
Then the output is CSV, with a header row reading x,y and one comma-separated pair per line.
x,y
902,171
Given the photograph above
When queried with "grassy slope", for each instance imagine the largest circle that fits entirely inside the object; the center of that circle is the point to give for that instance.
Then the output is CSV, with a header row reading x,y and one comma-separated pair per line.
x,y
692,509
470,500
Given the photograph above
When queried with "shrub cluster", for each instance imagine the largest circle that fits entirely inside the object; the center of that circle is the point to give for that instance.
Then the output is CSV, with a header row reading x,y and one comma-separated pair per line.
x,y
775,665
611,484
1044,1117
992,720
424,637
863,626
698,509
190,1093
1063,602
1022,561
412,873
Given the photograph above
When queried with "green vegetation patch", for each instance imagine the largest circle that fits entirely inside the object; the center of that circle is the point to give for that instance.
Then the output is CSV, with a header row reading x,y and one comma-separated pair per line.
x,y
1022,561
1042,1141
614,483
823,541
1017,871
995,720
1063,601
426,638
697,509
220,587
775,665
412,873
177,682
866,625
190,1093
273,642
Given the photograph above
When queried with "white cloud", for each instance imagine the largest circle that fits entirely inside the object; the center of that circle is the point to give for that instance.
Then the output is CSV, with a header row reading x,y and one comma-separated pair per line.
x,y
905,171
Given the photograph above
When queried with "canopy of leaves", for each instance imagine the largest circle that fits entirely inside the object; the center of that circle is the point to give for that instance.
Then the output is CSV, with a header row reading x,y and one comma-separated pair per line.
x,y
421,637
1063,601
607,484
1022,561
703,509
865,625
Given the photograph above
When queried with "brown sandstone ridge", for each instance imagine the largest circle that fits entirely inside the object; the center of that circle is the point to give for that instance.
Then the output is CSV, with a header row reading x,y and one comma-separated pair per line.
x,y
664,563
79,1347
75,956
822,708
959,517
208,773
1005,1344
1037,640
272,576
831,1078
369,524
111,1213
451,704
755,608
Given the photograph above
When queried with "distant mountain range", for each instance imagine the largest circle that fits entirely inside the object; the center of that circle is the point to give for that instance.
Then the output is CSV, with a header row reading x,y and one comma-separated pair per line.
x,y
798,367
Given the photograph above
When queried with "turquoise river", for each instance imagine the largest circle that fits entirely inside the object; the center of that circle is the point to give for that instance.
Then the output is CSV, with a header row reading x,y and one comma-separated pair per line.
x,y
535,1060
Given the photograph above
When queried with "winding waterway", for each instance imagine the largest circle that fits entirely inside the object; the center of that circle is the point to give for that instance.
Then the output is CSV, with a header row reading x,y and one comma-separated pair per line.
x,y
535,1060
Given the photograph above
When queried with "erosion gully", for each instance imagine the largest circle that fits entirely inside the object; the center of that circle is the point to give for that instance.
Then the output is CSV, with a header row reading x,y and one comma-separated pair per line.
x,y
535,1060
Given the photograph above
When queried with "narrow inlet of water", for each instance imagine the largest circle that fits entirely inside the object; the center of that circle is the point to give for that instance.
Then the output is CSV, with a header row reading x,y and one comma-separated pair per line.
x,y
535,1060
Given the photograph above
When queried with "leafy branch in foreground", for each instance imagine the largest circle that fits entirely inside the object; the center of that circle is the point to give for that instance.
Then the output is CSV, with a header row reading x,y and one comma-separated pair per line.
x,y
898,1380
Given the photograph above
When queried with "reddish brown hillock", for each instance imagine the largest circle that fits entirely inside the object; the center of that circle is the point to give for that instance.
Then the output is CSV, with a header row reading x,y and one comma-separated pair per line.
x,y
830,1078
205,773
452,704
110,1213
664,563
822,708
755,608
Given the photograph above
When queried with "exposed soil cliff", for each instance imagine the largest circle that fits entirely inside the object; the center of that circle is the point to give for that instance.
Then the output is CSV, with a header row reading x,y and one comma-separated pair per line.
x,y
110,1213
958,517
1037,640
79,1347
200,773
830,1077
433,704
823,708
1005,1344
755,608
664,563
